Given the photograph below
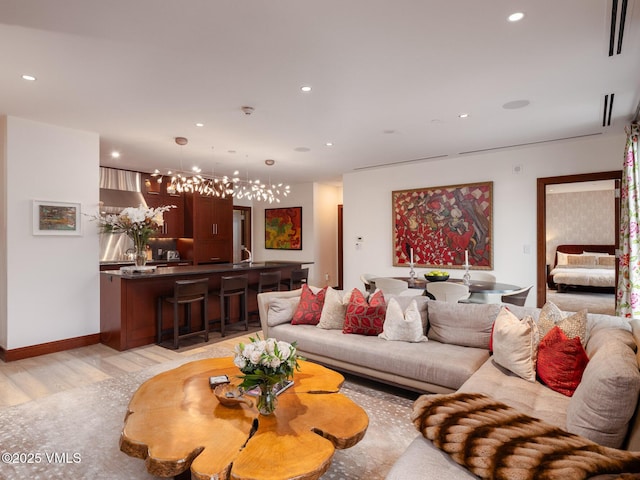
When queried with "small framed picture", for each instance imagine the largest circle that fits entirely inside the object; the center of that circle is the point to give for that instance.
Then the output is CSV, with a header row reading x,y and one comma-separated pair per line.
x,y
56,218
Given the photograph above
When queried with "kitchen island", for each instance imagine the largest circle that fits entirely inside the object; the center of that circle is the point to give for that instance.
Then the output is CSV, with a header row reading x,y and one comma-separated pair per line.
x,y
128,300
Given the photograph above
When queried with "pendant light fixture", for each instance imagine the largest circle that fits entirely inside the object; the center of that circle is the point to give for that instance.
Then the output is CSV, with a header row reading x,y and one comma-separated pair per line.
x,y
222,186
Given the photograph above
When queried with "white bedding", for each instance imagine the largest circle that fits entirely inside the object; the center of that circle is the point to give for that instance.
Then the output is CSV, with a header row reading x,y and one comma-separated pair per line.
x,y
586,277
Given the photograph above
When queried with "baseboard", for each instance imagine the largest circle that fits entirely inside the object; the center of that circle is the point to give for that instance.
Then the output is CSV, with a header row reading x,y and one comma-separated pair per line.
x,y
49,347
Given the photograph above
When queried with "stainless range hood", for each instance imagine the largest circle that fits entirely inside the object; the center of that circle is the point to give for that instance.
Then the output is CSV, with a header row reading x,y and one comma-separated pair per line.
x,y
119,189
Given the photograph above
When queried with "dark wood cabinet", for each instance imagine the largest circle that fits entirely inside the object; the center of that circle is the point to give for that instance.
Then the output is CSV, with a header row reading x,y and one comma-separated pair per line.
x,y
155,194
209,221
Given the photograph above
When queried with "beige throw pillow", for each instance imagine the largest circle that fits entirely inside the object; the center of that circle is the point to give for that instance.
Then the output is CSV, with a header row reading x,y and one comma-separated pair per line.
x,y
515,344
581,260
403,326
573,325
281,310
334,310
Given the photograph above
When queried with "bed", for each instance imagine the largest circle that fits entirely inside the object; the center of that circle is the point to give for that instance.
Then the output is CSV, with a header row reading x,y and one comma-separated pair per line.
x,y
583,266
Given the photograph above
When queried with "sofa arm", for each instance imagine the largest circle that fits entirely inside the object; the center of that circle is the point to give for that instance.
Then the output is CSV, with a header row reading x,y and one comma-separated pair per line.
x,y
265,299
633,436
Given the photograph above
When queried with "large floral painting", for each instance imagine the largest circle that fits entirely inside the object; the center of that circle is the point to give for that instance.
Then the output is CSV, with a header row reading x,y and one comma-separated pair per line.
x,y
440,224
283,228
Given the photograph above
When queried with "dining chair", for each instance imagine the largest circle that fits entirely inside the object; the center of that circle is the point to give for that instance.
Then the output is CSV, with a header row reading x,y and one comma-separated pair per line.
x,y
391,286
519,297
366,278
448,291
481,297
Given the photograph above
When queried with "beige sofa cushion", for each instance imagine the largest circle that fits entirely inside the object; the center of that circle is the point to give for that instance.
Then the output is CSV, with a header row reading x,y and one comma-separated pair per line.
x,y
604,402
468,325
532,398
431,362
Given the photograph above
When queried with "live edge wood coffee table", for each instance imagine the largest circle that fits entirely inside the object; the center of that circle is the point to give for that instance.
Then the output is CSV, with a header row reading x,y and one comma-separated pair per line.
x,y
174,422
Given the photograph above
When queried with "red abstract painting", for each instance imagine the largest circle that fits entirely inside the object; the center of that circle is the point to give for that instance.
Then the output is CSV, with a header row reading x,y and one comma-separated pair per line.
x,y
441,223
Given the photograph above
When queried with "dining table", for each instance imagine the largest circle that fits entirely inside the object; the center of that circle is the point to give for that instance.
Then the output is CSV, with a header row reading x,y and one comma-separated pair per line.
x,y
476,286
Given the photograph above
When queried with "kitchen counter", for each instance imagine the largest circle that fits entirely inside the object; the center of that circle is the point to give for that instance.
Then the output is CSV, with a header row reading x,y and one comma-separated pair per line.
x,y
235,268
128,300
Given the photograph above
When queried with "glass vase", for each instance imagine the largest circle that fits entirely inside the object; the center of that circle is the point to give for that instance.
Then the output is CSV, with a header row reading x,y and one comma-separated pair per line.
x,y
267,399
140,257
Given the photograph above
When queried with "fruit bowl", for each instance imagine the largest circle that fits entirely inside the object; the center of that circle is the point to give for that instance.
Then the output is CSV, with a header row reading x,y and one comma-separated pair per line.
x,y
436,276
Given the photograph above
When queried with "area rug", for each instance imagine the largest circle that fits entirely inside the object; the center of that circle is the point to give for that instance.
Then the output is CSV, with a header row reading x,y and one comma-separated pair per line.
x,y
75,433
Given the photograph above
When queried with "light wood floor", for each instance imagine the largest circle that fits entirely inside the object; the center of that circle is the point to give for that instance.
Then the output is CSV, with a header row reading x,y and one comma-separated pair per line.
x,y
37,377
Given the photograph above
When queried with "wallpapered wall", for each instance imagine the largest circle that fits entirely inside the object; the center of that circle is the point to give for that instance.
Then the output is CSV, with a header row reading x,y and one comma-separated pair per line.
x,y
580,217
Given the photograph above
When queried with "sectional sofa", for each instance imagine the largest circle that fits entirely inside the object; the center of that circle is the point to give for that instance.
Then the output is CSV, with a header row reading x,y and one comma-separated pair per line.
x,y
455,357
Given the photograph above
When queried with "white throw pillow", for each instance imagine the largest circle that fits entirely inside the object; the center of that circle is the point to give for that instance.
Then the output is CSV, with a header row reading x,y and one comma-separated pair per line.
x,y
281,310
334,310
515,344
403,326
562,258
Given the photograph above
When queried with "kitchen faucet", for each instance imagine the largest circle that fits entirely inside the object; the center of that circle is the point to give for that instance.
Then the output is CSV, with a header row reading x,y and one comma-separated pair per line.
x,y
248,260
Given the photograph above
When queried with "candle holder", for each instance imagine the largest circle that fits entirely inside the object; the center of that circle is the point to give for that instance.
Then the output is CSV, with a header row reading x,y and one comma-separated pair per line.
x,y
466,278
412,274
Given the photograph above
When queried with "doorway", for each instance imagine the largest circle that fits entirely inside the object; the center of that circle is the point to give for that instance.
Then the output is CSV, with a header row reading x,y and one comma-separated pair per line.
x,y
241,232
541,243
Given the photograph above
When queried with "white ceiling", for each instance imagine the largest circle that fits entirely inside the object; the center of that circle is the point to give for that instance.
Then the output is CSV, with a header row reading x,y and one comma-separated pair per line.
x,y
389,78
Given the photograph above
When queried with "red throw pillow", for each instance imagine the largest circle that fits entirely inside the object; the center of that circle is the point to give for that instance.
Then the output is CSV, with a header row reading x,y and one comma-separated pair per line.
x,y
561,361
310,307
364,318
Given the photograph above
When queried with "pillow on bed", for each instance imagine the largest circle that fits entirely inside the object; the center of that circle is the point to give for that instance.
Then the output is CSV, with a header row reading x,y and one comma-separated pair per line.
x,y
597,254
607,261
562,258
581,260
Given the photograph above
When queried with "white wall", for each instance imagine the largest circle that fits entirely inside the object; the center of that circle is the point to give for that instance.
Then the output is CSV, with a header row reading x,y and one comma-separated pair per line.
x,y
367,202
52,287
319,230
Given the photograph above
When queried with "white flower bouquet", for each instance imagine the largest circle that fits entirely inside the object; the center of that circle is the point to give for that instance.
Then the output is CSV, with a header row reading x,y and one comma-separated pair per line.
x,y
136,222
265,362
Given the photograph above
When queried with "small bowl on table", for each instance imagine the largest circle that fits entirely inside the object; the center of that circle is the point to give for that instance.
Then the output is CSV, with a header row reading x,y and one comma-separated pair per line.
x,y
230,395
436,278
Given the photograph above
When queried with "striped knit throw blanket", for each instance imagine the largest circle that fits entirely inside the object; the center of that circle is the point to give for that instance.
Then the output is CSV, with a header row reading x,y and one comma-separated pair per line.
x,y
495,441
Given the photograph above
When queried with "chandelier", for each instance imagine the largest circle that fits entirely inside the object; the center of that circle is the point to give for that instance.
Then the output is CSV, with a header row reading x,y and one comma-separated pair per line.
x,y
222,186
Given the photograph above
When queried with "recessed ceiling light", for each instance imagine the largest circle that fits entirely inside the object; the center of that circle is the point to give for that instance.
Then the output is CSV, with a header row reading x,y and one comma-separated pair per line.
x,y
115,154
516,104
516,17
305,88
30,78
199,124
269,162
463,115
329,144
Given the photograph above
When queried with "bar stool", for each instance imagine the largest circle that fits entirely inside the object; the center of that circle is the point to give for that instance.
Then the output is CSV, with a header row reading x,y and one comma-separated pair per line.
x,y
231,287
298,277
267,282
186,293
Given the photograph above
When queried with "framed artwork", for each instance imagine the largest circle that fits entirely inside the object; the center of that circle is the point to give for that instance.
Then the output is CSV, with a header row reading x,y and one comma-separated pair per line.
x,y
439,226
56,218
283,228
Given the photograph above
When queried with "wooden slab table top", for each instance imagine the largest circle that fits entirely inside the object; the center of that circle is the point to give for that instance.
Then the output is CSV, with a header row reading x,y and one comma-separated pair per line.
x,y
174,422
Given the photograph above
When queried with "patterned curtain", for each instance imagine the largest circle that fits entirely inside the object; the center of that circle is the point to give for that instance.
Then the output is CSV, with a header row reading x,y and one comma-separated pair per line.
x,y
628,292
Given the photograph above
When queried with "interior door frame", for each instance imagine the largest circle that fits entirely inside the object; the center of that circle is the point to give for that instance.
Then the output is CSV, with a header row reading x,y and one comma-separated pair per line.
x,y
541,242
